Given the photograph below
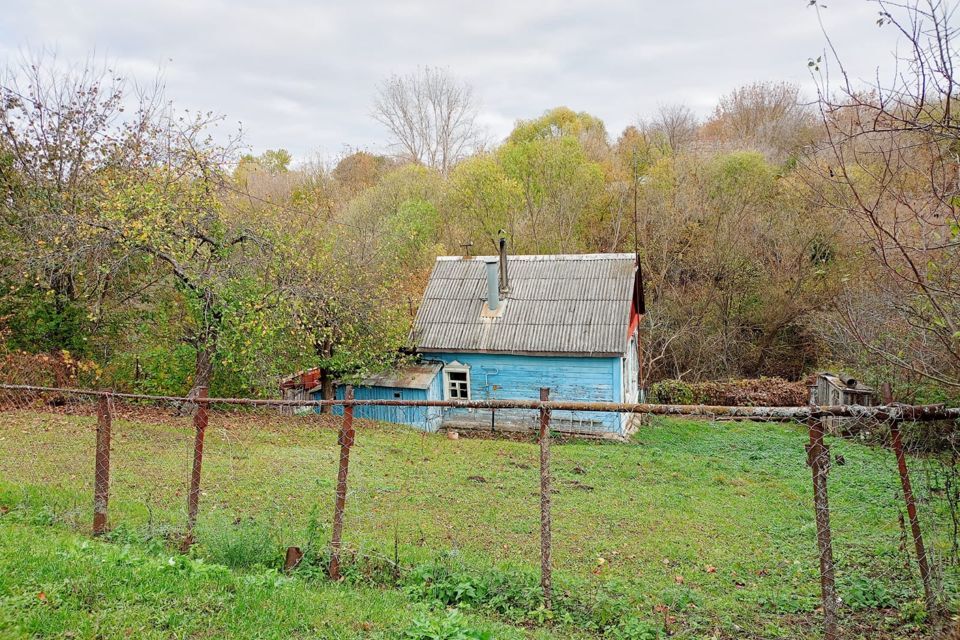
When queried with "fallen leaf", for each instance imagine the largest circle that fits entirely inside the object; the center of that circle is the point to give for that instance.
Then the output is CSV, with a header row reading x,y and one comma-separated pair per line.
x,y
42,596
678,579
711,569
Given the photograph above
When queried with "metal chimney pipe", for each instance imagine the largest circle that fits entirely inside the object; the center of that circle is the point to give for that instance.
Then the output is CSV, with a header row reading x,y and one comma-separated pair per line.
x,y
493,291
504,280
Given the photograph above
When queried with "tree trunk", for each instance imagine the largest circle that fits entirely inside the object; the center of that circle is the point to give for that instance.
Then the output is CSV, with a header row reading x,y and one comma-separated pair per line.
x,y
324,349
326,388
203,369
202,374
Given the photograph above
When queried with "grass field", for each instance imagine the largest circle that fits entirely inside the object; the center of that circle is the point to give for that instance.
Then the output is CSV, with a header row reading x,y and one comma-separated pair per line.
x,y
694,529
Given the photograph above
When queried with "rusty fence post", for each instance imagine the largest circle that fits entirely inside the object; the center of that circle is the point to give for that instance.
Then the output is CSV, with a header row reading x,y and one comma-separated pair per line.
x,y
896,441
101,477
546,550
200,420
346,441
292,559
818,458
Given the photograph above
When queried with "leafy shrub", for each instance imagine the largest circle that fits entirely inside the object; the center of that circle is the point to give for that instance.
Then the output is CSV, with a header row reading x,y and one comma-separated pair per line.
x,y
452,626
635,629
860,592
243,545
914,612
509,593
671,392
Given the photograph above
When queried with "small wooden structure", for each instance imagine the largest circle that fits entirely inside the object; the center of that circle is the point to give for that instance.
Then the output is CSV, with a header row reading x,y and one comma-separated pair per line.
x,y
835,389
297,387
832,390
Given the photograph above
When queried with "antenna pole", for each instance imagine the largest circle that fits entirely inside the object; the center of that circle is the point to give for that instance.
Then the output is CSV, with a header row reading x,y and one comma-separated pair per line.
x,y
636,227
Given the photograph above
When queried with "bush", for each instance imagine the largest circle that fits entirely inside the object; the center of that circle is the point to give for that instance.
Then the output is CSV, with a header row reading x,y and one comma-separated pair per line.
x,y
452,626
509,593
861,592
671,392
243,545
750,392
635,629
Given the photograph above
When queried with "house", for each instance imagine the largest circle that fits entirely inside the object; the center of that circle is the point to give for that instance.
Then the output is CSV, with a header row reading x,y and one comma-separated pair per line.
x,y
499,327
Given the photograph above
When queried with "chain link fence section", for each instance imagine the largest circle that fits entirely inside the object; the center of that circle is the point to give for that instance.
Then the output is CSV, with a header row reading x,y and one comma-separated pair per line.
x,y
697,512
47,468
891,513
455,498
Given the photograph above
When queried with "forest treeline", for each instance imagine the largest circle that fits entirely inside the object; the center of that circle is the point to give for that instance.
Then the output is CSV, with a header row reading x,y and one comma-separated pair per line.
x,y
780,234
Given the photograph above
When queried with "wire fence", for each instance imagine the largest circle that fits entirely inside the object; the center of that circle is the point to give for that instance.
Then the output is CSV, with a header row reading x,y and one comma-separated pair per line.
x,y
686,526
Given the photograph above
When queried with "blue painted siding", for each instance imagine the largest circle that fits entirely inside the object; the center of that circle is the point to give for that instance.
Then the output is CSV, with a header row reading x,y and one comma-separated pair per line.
x,y
520,377
423,418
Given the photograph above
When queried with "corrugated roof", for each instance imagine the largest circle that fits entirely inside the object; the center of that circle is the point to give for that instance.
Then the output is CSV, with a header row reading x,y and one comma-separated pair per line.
x,y
556,304
415,376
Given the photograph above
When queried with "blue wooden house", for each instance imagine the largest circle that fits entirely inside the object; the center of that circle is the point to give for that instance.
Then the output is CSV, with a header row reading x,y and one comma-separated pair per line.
x,y
494,327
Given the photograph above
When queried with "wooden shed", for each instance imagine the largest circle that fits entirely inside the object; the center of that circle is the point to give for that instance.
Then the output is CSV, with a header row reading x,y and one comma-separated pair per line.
x,y
831,389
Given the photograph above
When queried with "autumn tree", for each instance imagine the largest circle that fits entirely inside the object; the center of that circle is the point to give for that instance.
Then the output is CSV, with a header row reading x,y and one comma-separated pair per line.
x,y
768,116
113,202
888,168
62,130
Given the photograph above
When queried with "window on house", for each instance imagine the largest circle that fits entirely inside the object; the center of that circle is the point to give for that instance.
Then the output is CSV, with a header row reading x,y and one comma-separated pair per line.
x,y
458,384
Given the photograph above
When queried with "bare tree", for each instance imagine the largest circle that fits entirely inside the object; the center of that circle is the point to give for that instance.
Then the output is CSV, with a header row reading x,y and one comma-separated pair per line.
x,y
673,127
891,167
431,115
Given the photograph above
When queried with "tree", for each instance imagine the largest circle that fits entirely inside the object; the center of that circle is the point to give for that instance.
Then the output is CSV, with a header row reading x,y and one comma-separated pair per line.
x,y
61,130
565,122
359,170
480,200
112,203
431,116
673,128
562,192
888,167
767,116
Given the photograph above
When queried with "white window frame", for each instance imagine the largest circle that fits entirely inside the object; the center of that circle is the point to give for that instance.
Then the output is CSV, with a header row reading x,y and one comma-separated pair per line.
x,y
455,367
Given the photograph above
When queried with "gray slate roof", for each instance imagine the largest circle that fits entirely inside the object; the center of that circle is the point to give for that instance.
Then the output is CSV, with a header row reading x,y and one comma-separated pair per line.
x,y
414,376
559,304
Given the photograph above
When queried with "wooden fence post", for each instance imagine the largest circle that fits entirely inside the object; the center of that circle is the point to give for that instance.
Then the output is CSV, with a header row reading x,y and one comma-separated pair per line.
x,y
200,420
346,441
896,441
818,457
546,550
101,478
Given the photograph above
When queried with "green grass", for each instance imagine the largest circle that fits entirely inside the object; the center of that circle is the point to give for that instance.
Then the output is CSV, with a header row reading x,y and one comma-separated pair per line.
x,y
57,584
696,529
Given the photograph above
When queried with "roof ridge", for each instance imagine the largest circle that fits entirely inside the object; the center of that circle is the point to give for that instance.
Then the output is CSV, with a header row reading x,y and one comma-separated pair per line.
x,y
543,257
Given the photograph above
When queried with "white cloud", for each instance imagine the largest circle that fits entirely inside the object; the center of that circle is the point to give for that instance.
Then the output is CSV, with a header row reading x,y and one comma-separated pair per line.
x,y
301,74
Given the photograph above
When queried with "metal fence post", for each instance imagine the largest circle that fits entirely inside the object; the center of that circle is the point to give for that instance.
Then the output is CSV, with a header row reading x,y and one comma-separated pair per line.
x,y
346,441
200,420
546,551
818,457
101,478
896,438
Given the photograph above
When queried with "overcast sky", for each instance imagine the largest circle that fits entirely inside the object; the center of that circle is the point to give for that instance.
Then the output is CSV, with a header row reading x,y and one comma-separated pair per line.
x,y
301,74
